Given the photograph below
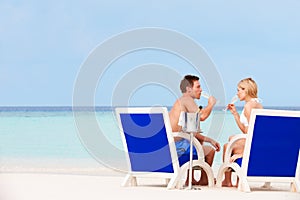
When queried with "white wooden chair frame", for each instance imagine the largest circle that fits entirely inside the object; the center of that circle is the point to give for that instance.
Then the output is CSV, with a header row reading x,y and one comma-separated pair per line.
x,y
173,180
241,172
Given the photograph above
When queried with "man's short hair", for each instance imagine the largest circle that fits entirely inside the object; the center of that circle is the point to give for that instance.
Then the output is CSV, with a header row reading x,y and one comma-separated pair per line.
x,y
188,81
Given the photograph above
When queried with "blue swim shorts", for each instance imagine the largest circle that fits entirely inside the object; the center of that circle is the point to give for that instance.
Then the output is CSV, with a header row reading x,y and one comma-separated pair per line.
x,y
183,151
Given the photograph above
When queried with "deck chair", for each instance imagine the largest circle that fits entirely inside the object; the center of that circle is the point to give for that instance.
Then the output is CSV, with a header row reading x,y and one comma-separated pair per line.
x,y
150,149
271,151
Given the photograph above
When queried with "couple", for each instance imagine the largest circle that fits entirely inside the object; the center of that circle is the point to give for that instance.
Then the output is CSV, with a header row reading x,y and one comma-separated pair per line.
x,y
191,90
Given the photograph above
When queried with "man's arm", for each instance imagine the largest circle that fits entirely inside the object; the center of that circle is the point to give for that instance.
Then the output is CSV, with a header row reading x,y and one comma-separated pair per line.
x,y
203,138
205,112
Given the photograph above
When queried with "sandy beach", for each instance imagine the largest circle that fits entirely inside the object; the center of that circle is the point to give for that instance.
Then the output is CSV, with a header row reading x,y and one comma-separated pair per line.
x,y
37,186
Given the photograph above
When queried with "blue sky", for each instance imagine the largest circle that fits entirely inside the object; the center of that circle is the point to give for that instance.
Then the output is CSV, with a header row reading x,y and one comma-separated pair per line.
x,y
43,45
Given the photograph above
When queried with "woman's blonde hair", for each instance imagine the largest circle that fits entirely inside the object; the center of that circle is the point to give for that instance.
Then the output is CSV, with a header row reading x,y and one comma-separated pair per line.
x,y
250,87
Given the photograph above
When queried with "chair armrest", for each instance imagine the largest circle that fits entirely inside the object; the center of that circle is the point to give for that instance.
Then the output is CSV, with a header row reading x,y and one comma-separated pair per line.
x,y
230,146
196,143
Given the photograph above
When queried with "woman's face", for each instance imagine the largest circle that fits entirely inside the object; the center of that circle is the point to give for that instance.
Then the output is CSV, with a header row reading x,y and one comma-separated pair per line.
x,y
241,93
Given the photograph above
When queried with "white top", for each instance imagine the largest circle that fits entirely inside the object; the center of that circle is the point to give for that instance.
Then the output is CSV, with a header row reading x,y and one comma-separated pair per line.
x,y
243,118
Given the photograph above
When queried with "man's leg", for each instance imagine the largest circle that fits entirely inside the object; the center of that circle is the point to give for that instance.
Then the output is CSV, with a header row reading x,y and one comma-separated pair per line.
x,y
209,153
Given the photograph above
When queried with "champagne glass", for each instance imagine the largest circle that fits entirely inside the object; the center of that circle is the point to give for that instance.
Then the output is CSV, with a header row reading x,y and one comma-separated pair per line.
x,y
205,94
234,99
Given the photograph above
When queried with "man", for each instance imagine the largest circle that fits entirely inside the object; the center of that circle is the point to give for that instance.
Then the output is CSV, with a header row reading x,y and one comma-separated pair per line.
x,y
191,90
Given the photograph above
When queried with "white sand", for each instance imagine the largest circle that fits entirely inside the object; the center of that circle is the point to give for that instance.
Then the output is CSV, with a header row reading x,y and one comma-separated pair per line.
x,y
23,186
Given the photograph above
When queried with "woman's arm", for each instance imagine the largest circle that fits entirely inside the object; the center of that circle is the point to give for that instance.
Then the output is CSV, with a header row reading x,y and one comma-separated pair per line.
x,y
236,116
242,127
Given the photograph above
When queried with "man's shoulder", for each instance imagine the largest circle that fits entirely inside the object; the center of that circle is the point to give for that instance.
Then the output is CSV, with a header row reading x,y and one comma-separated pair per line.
x,y
176,105
188,104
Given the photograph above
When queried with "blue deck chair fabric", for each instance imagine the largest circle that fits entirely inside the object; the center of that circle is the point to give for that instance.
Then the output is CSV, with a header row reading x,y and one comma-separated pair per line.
x,y
239,161
271,151
150,148
147,142
275,146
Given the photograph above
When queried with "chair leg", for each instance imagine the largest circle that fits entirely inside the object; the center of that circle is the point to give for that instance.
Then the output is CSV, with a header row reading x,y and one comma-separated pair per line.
x,y
209,173
267,185
295,186
126,181
133,181
243,183
167,181
129,180
204,166
174,182
220,174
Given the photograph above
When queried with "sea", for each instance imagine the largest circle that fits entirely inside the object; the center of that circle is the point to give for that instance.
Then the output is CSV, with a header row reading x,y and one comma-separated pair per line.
x,y
60,139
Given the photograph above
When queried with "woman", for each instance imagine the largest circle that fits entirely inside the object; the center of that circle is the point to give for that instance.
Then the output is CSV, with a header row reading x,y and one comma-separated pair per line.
x,y
246,91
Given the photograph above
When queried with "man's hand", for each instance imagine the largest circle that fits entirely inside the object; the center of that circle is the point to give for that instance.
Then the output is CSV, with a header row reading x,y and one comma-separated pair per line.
x,y
216,145
212,100
205,112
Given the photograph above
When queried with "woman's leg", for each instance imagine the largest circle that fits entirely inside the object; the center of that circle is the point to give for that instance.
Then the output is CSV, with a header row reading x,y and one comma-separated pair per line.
x,y
238,151
227,181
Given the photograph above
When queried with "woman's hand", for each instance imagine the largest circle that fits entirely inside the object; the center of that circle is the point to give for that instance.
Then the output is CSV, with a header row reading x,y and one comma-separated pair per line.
x,y
232,108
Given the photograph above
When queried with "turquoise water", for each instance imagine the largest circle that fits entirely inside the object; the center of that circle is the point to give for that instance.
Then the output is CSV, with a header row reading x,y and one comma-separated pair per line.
x,y
41,139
